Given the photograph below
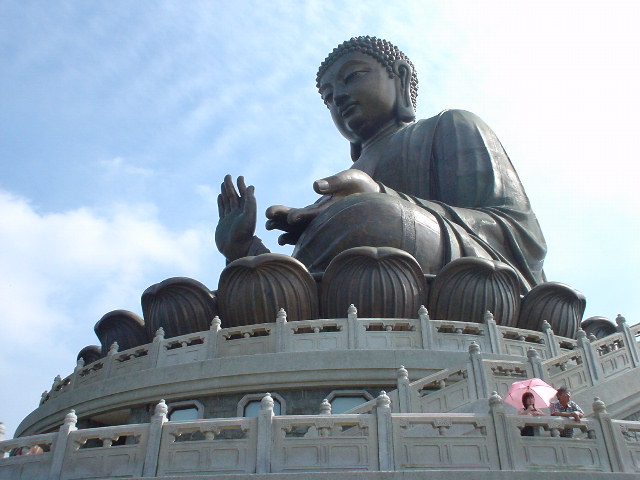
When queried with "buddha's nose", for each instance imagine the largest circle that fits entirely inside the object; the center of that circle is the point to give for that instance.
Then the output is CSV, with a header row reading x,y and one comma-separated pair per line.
x,y
340,98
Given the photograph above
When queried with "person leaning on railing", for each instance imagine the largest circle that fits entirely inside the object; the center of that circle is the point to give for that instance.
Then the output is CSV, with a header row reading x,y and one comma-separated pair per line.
x,y
564,407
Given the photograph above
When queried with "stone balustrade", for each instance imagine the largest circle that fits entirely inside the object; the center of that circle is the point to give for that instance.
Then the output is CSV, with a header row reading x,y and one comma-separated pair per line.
x,y
573,362
376,441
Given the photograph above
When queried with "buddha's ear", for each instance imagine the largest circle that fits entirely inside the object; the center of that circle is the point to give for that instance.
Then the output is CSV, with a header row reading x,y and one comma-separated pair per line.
x,y
404,105
356,150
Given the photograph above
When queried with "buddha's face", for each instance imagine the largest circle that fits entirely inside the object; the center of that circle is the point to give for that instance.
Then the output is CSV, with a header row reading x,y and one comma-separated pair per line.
x,y
359,94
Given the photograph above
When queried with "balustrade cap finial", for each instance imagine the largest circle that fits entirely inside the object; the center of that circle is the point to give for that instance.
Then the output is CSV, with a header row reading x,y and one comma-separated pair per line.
x,y
495,399
114,348
71,418
402,373
599,406
383,400
80,363
581,334
216,322
267,402
159,334
325,407
161,408
592,338
488,316
532,353
422,311
282,315
620,319
546,325
474,347
352,310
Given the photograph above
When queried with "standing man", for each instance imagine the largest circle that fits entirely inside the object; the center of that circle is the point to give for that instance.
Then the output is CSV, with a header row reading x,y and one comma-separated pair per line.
x,y
564,407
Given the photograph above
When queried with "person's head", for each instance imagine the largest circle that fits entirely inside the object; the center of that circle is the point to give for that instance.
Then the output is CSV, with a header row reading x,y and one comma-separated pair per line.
x,y
366,83
528,399
563,395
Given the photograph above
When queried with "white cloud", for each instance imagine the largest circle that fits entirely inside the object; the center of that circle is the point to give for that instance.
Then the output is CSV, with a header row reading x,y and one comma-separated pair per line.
x,y
61,272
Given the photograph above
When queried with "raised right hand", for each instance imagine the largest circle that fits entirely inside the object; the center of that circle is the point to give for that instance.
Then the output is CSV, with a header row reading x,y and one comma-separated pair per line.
x,y
237,224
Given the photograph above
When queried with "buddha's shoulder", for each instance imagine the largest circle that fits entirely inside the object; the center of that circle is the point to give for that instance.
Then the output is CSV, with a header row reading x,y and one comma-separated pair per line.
x,y
450,120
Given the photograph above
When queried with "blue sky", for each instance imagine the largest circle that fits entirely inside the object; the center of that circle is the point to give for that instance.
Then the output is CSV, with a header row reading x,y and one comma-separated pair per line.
x,y
118,121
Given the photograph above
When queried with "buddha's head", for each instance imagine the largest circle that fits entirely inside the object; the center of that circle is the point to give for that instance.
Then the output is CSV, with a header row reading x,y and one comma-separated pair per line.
x,y
367,83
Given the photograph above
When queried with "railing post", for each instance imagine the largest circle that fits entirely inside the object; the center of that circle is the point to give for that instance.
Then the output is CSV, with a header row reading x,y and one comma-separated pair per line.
x,y
385,433
503,434
536,363
325,407
611,440
426,328
76,373
60,446
591,360
352,325
154,440
404,390
281,334
495,338
108,361
478,375
2,431
212,338
629,340
265,434
156,346
550,337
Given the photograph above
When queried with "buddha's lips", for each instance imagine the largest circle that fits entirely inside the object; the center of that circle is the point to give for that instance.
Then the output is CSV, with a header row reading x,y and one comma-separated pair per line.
x,y
347,109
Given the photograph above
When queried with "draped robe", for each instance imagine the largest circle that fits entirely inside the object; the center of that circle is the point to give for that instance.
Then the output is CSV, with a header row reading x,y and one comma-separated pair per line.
x,y
447,190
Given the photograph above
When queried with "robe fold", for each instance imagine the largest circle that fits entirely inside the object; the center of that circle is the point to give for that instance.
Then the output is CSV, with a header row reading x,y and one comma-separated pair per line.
x,y
448,190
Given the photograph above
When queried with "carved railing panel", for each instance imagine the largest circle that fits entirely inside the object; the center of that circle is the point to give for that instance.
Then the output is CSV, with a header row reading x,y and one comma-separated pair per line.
x,y
128,361
324,443
518,341
546,450
629,444
183,349
208,447
386,333
314,335
249,340
613,354
501,374
107,452
429,441
568,369
457,336
26,457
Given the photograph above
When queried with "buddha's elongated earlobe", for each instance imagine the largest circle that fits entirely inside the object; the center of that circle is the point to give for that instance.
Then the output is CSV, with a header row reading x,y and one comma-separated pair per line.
x,y
404,104
356,150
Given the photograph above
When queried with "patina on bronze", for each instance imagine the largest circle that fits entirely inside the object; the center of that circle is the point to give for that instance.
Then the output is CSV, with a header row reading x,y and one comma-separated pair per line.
x,y
440,189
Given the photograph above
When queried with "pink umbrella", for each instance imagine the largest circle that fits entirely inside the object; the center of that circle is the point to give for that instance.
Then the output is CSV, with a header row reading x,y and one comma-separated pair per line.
x,y
542,393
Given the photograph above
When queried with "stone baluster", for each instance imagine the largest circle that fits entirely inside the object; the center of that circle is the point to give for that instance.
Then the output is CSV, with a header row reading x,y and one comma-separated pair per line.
x,y
352,325
478,375
265,433
503,432
629,340
404,390
281,334
154,440
156,348
495,336
111,356
611,437
2,431
536,363
325,407
60,445
385,432
212,337
592,362
76,373
550,338
426,329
